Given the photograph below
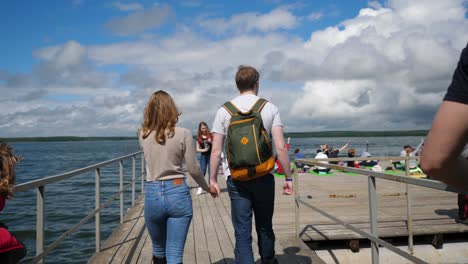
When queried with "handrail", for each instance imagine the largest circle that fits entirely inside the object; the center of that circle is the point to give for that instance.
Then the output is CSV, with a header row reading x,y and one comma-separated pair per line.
x,y
364,234
40,184
70,231
59,177
372,175
381,175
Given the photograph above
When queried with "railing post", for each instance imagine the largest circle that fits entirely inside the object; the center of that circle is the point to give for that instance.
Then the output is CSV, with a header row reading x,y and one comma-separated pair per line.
x,y
121,192
373,218
133,180
40,221
98,214
142,173
409,210
296,201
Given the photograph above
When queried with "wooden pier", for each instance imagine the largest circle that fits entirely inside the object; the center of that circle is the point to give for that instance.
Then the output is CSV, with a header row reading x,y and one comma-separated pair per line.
x,y
211,234
343,195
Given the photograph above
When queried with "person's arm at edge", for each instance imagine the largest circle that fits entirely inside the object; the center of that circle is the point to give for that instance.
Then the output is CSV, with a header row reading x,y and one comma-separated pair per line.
x,y
415,152
283,157
191,161
446,139
344,147
215,159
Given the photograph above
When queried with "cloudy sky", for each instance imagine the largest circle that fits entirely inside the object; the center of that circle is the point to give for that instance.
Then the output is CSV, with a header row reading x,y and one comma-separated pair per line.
x,y
87,68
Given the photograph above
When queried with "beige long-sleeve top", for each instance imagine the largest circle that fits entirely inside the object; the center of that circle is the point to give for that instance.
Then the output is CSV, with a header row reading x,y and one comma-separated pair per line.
x,y
166,162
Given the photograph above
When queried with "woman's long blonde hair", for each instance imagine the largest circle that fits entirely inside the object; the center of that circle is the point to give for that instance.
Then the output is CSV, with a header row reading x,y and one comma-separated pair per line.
x,y
160,114
8,162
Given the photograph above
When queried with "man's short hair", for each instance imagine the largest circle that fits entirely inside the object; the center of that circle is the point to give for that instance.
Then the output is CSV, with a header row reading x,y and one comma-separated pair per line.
x,y
246,78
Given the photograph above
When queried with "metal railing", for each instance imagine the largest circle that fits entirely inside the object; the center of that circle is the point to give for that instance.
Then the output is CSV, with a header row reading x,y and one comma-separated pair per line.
x,y
40,185
372,193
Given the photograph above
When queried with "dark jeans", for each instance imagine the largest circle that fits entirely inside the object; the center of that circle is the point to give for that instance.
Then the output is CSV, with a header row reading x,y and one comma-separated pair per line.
x,y
257,196
368,163
462,207
13,256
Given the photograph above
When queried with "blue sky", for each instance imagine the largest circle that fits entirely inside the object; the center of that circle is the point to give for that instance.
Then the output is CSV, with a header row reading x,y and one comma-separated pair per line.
x,y
31,25
83,67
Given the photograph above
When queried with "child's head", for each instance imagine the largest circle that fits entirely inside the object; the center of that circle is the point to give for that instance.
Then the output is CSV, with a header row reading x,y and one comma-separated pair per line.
x,y
296,151
8,162
351,152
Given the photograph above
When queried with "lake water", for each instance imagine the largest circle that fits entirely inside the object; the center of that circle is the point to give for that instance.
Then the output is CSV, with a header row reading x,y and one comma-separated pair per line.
x,y
71,200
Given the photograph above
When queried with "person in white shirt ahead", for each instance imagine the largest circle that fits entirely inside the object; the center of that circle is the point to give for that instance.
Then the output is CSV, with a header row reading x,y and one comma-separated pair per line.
x,y
257,195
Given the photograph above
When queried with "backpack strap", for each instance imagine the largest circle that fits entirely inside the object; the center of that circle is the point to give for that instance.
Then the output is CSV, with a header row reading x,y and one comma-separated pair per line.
x,y
258,106
231,108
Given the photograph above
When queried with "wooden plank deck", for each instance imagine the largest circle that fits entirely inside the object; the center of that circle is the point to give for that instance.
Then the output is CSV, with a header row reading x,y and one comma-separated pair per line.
x,y
211,234
345,196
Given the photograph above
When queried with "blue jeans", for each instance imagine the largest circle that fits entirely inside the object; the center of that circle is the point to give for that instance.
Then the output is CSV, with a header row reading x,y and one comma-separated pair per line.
x,y
168,213
205,164
257,196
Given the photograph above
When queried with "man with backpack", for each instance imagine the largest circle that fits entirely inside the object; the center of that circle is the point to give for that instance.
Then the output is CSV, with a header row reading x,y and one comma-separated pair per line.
x,y
245,123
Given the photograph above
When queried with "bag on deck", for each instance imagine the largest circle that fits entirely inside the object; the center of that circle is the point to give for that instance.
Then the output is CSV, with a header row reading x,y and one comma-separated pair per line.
x,y
248,147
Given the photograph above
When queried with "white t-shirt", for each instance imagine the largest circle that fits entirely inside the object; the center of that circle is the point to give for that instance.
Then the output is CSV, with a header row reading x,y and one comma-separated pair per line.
x,y
270,114
322,155
270,117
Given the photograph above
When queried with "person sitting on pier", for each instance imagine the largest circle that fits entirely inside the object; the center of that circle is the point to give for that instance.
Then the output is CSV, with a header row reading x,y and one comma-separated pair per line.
x,y
298,155
413,163
168,150
352,154
333,153
320,169
367,163
11,249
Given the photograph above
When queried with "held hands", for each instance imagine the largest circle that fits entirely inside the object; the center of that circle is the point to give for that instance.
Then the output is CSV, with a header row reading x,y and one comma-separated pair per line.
x,y
287,188
214,190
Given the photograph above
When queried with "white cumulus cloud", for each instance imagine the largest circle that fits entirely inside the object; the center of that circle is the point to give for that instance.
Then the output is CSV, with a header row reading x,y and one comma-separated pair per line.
x,y
140,21
279,18
386,68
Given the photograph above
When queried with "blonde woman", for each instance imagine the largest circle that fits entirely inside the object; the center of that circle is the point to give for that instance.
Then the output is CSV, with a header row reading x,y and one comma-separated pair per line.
x,y
11,249
168,204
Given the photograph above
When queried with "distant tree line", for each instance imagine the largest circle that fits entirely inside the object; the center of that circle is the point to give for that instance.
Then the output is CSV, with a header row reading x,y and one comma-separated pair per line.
x,y
402,133
64,138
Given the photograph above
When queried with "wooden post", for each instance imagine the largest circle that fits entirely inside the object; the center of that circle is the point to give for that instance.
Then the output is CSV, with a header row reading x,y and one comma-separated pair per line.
x,y
98,214
40,221
121,192
296,201
133,180
373,218
409,215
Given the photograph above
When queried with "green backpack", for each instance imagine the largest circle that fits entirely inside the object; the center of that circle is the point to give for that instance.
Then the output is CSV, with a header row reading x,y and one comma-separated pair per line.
x,y
248,147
